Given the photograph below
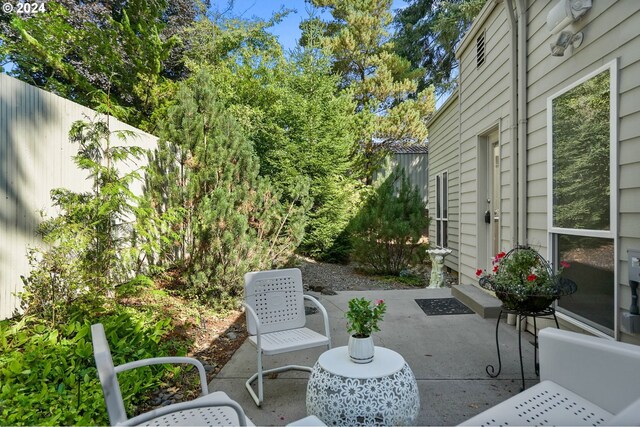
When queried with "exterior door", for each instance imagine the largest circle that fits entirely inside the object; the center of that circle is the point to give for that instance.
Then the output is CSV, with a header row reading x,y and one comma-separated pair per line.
x,y
492,198
495,194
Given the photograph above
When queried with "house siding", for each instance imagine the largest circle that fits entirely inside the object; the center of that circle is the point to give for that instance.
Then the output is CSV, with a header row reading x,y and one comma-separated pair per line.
x,y
444,157
485,93
610,33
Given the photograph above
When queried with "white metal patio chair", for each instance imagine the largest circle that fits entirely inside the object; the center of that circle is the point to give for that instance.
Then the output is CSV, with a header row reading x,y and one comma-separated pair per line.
x,y
208,409
584,380
276,320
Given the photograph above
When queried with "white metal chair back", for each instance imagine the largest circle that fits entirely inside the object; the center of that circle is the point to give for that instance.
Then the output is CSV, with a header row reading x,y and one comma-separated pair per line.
x,y
107,374
277,298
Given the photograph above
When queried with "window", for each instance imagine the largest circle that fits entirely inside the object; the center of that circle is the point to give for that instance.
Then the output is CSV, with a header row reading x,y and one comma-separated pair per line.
x,y
442,214
582,221
480,50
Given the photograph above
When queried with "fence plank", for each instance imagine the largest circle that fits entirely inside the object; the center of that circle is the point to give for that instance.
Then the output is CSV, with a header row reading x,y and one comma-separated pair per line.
x,y
35,157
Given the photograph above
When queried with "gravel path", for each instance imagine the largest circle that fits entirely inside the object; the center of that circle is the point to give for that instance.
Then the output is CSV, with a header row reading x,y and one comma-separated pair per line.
x,y
323,277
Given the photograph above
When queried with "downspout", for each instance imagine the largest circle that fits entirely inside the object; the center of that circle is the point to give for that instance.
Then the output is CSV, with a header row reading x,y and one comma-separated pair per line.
x,y
515,181
522,122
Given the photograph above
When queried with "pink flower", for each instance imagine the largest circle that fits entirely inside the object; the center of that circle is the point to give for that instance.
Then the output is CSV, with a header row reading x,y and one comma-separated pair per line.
x,y
565,264
501,255
531,277
479,272
380,301
495,268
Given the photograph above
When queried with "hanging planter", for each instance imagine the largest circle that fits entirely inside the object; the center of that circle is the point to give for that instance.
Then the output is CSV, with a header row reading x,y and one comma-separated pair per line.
x,y
524,281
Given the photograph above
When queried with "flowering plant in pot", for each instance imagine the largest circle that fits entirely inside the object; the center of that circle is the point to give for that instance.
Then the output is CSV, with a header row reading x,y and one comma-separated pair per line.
x,y
363,317
524,281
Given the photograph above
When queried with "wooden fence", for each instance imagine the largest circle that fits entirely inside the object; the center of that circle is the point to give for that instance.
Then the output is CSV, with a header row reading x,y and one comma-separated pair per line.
x,y
36,157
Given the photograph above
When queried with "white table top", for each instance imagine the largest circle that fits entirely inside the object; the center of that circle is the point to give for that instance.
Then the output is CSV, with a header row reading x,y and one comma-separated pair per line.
x,y
385,362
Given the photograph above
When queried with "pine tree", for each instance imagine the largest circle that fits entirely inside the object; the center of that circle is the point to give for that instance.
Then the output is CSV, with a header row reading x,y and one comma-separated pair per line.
x,y
302,127
387,231
383,84
230,219
428,32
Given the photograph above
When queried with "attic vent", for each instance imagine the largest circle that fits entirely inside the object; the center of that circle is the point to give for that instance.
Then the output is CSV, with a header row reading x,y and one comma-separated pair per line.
x,y
480,50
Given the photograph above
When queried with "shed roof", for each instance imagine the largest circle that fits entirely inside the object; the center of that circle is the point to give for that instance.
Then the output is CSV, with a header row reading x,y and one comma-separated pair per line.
x,y
408,149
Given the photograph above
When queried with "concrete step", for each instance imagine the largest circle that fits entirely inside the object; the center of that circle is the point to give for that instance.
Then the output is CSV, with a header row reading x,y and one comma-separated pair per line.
x,y
478,300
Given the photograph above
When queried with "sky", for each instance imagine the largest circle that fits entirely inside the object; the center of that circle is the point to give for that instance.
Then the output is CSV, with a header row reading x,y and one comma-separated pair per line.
x,y
288,31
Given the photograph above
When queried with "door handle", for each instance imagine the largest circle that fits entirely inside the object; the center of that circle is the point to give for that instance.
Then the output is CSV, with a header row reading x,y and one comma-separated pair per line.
x,y
487,217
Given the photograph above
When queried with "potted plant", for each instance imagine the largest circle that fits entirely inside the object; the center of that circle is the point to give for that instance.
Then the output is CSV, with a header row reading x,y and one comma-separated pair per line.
x,y
363,317
524,281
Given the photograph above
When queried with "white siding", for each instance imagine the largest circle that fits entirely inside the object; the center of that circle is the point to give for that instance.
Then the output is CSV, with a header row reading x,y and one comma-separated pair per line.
x,y
611,30
35,157
444,146
485,94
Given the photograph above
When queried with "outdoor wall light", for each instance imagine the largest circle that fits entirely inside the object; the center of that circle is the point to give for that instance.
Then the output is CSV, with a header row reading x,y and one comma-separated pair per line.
x,y
565,39
565,12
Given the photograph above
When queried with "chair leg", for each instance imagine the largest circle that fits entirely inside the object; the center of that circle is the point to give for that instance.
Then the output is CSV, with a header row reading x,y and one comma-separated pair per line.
x,y
260,377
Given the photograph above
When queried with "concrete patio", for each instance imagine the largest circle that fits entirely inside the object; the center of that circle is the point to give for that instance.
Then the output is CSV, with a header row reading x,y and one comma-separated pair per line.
x,y
447,353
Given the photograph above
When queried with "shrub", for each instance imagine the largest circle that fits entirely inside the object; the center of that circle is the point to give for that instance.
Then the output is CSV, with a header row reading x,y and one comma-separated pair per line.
x,y
386,233
88,245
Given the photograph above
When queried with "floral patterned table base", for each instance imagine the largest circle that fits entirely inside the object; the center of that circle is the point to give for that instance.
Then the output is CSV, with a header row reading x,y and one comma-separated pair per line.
x,y
390,400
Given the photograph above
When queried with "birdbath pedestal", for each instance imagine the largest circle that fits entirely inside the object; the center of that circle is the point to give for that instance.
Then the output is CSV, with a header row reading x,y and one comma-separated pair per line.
x,y
437,264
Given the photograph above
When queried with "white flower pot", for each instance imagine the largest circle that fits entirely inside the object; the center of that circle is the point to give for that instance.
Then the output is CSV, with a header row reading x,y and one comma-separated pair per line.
x,y
361,349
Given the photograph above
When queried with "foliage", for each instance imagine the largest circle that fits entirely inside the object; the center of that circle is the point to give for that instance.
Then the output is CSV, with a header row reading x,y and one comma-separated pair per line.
x,y
427,34
302,128
227,219
383,84
307,134
48,376
386,233
522,273
363,317
89,250
127,51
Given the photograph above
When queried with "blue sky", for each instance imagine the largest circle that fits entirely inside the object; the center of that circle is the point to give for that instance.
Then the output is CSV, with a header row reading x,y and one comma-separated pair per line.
x,y
287,31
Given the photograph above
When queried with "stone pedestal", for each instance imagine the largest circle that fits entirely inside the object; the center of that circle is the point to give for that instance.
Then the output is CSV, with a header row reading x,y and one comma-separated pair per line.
x,y
437,266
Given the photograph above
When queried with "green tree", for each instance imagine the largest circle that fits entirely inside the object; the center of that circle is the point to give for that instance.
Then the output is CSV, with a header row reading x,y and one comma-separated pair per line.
x,y
126,51
383,84
231,220
427,33
302,127
387,231
308,134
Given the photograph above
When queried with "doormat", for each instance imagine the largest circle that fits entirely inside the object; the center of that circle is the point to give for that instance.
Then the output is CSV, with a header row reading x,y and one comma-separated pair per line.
x,y
443,306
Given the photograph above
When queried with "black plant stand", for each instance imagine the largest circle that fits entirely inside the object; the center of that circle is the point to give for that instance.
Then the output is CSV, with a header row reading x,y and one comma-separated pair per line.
x,y
521,316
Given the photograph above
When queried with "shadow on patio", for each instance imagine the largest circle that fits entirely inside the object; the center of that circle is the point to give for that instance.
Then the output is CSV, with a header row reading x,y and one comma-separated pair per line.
x,y
447,353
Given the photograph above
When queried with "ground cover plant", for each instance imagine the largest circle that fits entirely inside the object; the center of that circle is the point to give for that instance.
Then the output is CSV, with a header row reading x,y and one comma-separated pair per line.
x,y
49,376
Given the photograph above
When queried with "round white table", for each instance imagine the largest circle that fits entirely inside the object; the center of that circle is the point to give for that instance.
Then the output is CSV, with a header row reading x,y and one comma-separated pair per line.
x,y
383,392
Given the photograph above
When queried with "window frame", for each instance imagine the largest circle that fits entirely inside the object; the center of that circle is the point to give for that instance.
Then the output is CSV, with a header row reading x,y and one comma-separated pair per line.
x,y
442,209
612,233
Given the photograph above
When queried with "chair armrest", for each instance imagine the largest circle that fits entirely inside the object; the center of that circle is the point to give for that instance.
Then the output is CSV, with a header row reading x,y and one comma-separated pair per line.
x,y
183,406
168,360
325,316
251,312
602,371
